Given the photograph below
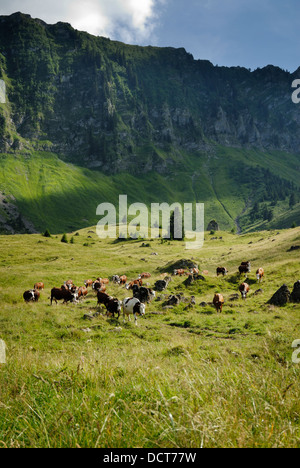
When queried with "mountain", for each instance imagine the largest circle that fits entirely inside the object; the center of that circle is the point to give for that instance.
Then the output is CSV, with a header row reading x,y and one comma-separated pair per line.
x,y
87,118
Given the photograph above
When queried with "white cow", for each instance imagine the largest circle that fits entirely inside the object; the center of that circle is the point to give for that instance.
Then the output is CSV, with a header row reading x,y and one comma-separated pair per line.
x,y
132,306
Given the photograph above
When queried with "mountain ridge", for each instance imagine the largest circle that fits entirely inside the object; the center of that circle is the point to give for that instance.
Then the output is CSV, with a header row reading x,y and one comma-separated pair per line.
x,y
125,109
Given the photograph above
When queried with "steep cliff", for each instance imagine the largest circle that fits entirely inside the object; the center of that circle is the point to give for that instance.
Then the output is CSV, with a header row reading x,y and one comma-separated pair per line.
x,y
115,108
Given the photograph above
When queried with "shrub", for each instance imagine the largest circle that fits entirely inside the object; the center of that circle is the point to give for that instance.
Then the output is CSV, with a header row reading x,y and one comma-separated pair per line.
x,y
47,233
64,239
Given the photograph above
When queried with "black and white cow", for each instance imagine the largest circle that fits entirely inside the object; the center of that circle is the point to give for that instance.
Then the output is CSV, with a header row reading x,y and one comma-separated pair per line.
x,y
132,306
222,271
32,295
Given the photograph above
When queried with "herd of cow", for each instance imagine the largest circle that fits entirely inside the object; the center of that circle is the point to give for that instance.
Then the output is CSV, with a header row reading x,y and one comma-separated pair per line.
x,y
135,305
244,288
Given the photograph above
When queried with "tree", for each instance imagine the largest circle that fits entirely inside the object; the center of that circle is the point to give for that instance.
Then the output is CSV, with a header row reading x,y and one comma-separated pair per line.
x,y
64,239
47,233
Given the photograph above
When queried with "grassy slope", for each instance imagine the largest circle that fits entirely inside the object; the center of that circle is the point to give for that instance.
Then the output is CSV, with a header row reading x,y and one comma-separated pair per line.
x,y
182,378
63,197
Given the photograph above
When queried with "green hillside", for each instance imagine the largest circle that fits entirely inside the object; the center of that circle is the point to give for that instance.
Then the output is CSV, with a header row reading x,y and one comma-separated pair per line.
x,y
186,376
60,196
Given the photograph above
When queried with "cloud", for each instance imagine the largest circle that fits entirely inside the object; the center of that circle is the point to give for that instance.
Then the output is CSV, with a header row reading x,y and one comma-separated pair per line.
x,y
130,20
124,20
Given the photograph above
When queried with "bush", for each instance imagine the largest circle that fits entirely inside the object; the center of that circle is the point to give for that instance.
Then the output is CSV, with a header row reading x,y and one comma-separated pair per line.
x,y
47,233
64,239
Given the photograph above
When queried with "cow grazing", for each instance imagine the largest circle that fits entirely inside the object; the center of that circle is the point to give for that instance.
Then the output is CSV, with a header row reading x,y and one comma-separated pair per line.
x,y
194,271
132,306
145,275
39,286
244,289
82,292
97,286
218,302
103,298
32,295
123,279
222,271
179,272
138,282
103,280
260,274
88,283
245,267
59,294
116,279
113,306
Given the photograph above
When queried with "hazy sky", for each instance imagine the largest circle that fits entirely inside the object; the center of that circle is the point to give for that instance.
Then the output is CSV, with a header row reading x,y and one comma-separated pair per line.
x,y
249,33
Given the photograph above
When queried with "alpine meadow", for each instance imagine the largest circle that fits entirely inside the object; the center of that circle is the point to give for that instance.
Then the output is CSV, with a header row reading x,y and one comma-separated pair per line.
x,y
134,341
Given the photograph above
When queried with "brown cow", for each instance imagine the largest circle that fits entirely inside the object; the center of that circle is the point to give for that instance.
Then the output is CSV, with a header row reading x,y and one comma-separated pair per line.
x,y
218,302
82,291
144,276
39,286
179,272
97,286
88,283
123,279
130,285
103,298
244,289
103,280
194,271
260,274
59,294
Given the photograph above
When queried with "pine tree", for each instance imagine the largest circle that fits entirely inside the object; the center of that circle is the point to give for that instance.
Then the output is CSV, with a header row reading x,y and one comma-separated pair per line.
x,y
64,239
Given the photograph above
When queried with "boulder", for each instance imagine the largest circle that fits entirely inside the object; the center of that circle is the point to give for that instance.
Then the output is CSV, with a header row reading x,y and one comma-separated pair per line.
x,y
183,264
160,285
281,297
192,278
295,296
174,300
213,226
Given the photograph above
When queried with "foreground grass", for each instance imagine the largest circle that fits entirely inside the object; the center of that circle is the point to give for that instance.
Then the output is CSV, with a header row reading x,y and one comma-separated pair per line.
x,y
185,377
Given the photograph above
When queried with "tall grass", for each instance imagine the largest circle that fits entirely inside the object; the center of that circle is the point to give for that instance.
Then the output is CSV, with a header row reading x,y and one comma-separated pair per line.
x,y
185,377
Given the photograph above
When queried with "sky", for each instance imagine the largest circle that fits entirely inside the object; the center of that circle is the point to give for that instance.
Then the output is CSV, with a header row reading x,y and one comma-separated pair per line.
x,y
247,33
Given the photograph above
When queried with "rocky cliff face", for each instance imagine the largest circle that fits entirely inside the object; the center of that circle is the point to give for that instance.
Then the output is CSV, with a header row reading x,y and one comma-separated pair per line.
x,y
114,107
